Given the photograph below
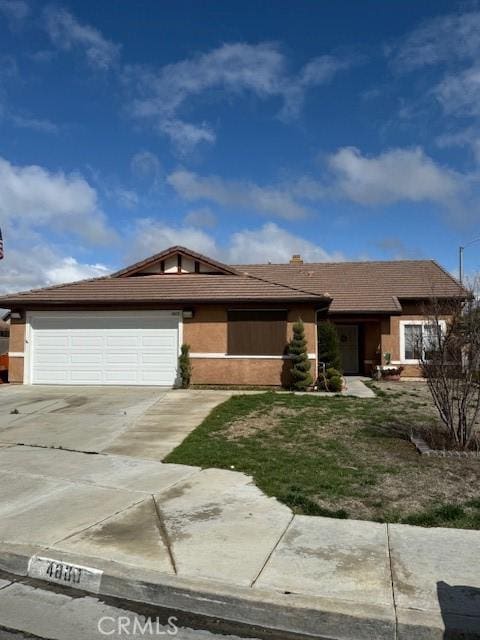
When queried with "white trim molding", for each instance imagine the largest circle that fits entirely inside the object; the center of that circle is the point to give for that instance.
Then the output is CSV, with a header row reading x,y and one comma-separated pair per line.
x,y
226,356
422,323
16,354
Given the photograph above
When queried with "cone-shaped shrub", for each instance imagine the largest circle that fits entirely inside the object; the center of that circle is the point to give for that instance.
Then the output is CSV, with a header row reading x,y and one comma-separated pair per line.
x,y
297,349
185,366
329,346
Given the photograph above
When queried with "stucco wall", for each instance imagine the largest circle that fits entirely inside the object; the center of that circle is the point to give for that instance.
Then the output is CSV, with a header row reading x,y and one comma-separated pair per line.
x,y
372,339
390,338
17,345
207,333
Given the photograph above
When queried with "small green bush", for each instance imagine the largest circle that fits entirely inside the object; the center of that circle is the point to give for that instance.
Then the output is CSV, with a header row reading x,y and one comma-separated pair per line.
x,y
335,384
301,377
185,366
331,381
332,373
329,346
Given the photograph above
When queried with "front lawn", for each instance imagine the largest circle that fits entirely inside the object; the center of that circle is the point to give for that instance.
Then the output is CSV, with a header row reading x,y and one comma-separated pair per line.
x,y
342,457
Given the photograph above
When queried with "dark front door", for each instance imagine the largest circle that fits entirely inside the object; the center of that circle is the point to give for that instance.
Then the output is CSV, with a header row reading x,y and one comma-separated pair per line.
x,y
348,336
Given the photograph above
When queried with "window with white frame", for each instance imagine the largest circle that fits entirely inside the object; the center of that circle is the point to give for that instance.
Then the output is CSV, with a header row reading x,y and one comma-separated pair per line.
x,y
417,337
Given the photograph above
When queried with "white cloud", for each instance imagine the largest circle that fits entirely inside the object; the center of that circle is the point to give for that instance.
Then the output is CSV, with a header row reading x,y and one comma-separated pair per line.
x,y
35,197
271,243
234,69
67,33
70,270
459,93
126,198
35,124
145,164
202,217
15,10
451,40
469,137
230,193
267,243
393,176
41,266
152,236
442,39
186,136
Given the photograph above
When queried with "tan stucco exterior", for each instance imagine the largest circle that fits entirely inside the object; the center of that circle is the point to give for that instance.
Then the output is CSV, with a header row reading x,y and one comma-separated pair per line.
x,y
16,345
206,333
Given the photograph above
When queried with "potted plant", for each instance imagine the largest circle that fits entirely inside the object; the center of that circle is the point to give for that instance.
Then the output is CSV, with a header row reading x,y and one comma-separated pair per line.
x,y
391,373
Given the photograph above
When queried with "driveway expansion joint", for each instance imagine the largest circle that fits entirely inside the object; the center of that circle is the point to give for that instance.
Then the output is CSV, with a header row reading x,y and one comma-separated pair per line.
x,y
390,564
162,529
282,535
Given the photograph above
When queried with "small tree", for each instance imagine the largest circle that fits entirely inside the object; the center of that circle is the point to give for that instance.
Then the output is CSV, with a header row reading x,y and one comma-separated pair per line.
x,y
301,378
449,355
329,346
185,366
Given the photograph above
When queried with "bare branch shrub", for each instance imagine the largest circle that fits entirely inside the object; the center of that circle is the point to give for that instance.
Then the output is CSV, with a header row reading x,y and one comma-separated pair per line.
x,y
448,349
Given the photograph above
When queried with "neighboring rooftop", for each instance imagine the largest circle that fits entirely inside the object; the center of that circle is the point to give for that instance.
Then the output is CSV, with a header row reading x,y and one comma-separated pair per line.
x,y
178,275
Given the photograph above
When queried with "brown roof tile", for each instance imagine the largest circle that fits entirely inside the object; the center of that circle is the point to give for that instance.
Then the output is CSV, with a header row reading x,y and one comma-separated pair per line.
x,y
161,288
354,286
364,286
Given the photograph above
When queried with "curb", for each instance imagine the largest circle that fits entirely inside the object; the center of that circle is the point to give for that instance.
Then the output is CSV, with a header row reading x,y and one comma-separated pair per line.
x,y
274,613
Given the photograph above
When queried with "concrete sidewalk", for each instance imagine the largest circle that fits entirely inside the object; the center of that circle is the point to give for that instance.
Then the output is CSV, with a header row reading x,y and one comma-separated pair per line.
x,y
210,542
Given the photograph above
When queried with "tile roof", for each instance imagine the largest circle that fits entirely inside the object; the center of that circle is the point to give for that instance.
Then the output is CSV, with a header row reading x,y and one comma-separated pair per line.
x,y
364,286
369,287
184,288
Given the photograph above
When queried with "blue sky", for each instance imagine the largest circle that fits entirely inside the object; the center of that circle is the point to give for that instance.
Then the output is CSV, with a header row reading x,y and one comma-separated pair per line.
x,y
245,130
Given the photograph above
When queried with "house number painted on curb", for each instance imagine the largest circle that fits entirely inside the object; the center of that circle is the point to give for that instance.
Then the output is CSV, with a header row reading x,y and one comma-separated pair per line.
x,y
71,575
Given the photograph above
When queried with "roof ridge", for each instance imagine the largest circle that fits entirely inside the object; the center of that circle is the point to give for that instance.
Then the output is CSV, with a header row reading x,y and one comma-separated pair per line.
x,y
338,262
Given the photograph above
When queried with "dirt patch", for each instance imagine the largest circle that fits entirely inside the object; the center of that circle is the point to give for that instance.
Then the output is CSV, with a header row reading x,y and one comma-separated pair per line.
x,y
258,422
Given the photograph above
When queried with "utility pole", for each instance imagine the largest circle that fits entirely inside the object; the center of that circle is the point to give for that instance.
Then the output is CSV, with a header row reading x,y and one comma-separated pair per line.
x,y
461,251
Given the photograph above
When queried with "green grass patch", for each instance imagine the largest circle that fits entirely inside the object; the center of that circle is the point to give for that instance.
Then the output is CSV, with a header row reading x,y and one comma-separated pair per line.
x,y
339,457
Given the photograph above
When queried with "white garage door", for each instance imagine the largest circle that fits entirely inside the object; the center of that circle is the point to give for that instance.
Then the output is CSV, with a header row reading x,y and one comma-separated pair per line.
x,y
101,348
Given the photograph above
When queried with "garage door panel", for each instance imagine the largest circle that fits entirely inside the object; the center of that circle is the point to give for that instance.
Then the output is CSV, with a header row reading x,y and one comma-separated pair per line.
x,y
52,358
85,376
104,348
52,340
122,341
83,340
87,358
49,376
121,360
158,341
124,376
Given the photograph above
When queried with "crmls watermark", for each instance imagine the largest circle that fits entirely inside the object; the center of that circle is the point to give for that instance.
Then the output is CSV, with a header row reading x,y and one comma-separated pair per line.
x,y
123,626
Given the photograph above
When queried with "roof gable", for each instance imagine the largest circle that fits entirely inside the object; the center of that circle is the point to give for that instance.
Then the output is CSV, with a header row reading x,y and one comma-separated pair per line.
x,y
175,260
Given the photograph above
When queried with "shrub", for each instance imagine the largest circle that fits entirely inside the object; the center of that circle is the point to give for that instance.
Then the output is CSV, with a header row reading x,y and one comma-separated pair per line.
x,y
335,384
329,346
185,366
331,381
301,378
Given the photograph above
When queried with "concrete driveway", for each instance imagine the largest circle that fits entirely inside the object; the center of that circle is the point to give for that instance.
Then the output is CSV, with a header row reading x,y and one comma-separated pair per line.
x,y
144,422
